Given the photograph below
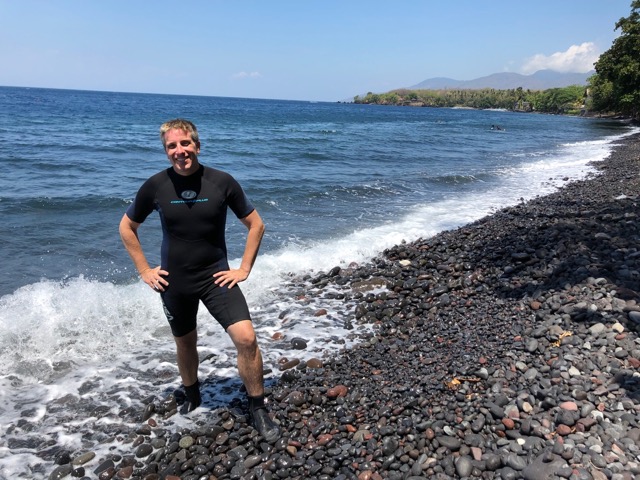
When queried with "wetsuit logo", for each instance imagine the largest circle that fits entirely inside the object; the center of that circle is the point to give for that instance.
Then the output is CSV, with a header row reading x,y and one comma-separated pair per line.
x,y
188,194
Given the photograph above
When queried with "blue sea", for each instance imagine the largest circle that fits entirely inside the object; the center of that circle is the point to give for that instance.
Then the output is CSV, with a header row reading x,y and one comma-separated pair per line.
x,y
81,338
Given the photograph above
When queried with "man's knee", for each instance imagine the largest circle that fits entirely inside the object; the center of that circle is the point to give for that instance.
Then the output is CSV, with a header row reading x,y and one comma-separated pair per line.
x,y
188,341
243,336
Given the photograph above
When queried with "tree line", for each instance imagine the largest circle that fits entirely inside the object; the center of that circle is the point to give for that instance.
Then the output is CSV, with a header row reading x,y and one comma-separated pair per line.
x,y
613,89
569,100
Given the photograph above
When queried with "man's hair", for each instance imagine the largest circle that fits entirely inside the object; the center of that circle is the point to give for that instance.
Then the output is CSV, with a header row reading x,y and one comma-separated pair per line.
x,y
179,124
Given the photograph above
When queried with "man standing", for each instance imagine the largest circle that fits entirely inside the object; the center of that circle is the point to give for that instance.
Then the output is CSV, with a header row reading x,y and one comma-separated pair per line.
x,y
192,201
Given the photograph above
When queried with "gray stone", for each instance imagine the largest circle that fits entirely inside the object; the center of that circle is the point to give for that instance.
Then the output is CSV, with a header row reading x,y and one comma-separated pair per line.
x,y
544,466
451,443
464,465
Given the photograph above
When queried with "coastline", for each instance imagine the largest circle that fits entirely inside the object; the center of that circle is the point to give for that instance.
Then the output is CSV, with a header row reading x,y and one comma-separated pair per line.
x,y
502,349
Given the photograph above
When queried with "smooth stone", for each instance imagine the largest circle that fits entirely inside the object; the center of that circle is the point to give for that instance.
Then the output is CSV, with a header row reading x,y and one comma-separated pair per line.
x,y
143,450
545,466
337,391
186,441
532,345
314,363
464,465
634,316
289,364
597,329
389,445
107,464
598,460
574,372
84,458
492,461
251,461
451,443
298,343
516,462
61,472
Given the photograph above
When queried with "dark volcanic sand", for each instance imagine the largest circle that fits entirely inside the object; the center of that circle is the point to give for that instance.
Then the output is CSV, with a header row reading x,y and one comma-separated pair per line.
x,y
504,349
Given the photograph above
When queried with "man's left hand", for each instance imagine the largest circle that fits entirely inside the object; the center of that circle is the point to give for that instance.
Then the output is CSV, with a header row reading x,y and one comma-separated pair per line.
x,y
230,277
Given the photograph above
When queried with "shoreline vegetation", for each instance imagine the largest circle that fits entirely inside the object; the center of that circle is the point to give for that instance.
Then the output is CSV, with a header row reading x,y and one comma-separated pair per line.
x,y
571,100
504,349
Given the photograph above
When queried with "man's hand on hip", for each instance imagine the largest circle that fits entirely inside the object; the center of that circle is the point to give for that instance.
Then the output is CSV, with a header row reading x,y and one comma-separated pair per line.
x,y
230,277
154,277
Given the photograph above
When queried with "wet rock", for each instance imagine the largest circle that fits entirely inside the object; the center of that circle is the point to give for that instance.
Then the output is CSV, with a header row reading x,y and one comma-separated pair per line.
x,y
289,364
314,363
298,343
143,450
186,441
61,472
337,391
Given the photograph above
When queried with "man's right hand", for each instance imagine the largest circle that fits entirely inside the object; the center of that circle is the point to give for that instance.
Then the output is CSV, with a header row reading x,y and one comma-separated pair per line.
x,y
154,277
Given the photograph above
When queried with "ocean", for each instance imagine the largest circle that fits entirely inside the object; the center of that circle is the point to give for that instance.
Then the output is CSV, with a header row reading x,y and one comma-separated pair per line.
x,y
82,339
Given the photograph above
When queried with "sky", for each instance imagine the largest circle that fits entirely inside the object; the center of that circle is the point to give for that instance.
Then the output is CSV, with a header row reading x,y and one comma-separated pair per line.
x,y
328,50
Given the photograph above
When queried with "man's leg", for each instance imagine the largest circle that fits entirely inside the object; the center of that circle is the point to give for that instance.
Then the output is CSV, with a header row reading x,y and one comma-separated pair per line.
x,y
250,370
188,361
181,312
249,357
187,354
229,307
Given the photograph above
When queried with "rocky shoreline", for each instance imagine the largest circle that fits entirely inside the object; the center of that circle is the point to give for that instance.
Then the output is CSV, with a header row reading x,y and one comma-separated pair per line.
x,y
505,349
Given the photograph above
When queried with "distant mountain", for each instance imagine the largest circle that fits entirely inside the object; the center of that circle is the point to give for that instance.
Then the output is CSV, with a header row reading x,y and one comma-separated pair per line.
x,y
541,80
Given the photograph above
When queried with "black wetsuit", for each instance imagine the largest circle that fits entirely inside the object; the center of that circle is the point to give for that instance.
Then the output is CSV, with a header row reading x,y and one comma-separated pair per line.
x,y
193,213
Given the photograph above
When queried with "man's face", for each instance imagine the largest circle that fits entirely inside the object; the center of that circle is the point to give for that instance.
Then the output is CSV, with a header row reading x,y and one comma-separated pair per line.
x,y
181,151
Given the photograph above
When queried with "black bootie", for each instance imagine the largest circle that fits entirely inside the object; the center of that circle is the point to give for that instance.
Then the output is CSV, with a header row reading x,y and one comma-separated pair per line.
x,y
193,400
261,420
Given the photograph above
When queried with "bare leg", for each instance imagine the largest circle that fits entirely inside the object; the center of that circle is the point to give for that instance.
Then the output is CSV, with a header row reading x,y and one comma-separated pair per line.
x,y
250,369
249,357
187,353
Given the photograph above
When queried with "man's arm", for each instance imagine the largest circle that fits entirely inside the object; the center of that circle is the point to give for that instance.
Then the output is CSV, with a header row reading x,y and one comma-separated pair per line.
x,y
255,226
154,277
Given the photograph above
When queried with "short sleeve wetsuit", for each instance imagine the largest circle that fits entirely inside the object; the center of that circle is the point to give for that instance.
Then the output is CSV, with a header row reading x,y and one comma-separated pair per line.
x,y
193,213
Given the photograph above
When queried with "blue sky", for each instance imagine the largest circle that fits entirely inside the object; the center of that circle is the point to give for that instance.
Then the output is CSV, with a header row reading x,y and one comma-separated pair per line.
x,y
300,50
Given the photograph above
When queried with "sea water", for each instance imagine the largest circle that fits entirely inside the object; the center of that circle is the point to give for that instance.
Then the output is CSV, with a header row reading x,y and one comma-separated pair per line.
x,y
81,338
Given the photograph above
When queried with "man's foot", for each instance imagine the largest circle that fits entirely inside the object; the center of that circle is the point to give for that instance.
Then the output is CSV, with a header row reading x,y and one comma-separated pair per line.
x,y
192,398
188,406
262,422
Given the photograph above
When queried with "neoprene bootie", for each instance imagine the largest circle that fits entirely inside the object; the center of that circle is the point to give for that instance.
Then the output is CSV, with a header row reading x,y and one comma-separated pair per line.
x,y
262,422
193,400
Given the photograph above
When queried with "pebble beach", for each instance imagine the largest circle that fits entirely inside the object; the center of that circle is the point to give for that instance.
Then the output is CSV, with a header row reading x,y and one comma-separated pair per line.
x,y
504,349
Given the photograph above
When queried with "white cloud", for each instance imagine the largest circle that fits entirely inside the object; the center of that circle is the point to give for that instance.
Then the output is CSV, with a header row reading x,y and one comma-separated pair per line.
x,y
577,58
246,75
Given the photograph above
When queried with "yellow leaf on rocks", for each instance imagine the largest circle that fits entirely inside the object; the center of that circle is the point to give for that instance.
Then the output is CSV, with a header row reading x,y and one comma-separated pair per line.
x,y
562,335
453,384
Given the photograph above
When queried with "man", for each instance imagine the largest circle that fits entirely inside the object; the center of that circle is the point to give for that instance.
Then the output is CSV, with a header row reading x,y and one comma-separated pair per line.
x,y
192,201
